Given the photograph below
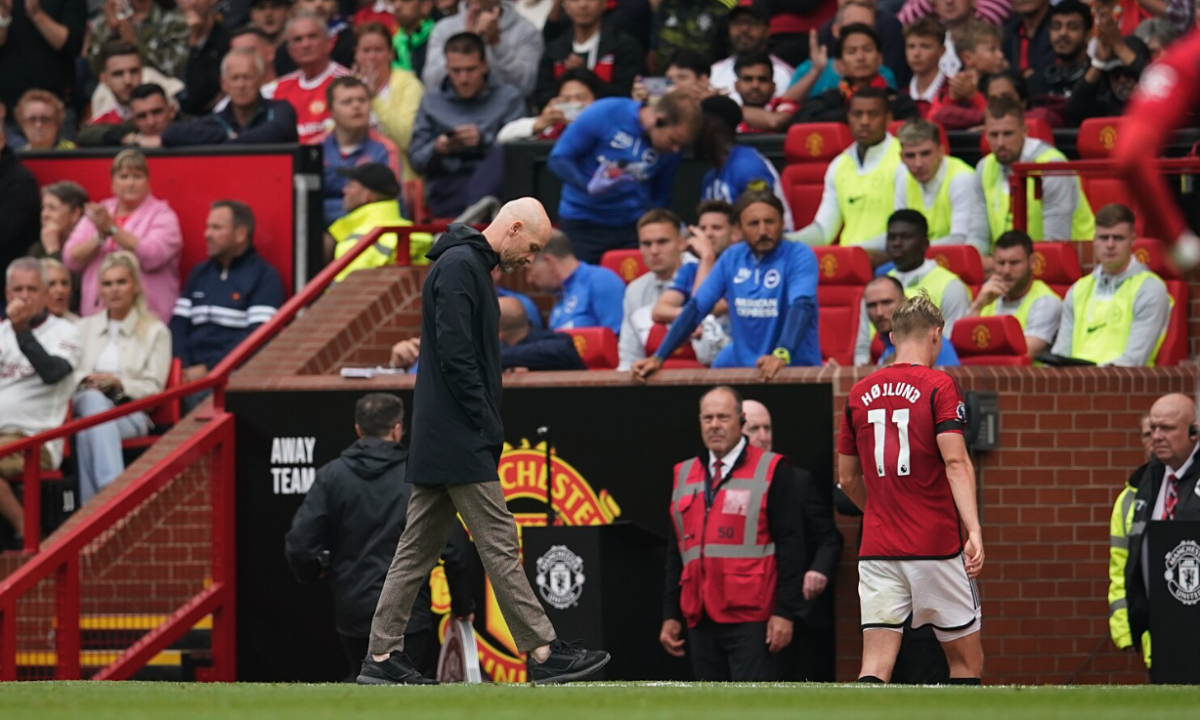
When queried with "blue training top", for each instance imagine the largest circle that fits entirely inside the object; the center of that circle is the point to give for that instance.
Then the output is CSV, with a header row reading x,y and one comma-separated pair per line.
x,y
745,169
591,297
610,130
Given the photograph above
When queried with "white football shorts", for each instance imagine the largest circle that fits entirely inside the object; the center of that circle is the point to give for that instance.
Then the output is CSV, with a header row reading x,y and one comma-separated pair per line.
x,y
931,592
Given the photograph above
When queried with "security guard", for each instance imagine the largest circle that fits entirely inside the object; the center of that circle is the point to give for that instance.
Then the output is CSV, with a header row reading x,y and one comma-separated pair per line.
x,y
736,569
907,242
771,288
1062,213
860,184
1118,314
1012,290
1118,553
938,186
1166,492
370,201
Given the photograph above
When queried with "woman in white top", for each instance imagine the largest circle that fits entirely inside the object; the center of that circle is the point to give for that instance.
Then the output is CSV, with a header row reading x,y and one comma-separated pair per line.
x,y
126,356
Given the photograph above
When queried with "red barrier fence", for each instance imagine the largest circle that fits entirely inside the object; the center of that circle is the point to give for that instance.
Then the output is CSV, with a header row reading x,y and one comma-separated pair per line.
x,y
61,604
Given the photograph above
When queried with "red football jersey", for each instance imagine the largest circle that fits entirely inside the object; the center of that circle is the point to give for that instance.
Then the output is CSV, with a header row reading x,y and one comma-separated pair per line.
x,y
891,423
308,99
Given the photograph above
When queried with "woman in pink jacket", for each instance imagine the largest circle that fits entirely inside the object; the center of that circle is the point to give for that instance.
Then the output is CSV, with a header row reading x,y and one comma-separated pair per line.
x,y
132,220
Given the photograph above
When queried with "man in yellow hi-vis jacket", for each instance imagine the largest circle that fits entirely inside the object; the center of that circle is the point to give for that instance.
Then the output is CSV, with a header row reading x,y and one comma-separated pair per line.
x,y
1118,554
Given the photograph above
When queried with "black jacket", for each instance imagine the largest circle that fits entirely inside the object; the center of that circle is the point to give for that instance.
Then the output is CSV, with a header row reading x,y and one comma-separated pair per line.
x,y
457,431
785,523
273,122
27,61
202,74
20,210
822,548
356,511
1039,54
831,106
1147,493
626,56
542,349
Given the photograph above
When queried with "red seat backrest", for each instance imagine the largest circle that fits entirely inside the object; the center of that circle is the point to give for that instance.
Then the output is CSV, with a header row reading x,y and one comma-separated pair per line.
x,y
627,264
839,310
962,260
837,265
1056,264
895,125
996,340
1034,128
1154,255
1174,350
168,414
1097,137
597,347
807,151
683,353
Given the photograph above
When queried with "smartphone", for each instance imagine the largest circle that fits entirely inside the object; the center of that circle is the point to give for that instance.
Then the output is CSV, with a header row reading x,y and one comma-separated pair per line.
x,y
656,87
570,110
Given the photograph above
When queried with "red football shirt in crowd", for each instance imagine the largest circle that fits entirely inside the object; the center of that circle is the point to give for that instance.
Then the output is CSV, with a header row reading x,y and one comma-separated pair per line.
x,y
308,99
891,423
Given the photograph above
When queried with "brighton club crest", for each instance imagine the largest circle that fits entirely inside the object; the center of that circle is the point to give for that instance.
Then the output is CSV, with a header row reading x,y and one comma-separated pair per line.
x,y
560,577
1183,572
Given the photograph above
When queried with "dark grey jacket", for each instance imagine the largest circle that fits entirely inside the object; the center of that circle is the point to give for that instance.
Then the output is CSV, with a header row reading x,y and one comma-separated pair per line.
x,y
355,511
457,431
442,110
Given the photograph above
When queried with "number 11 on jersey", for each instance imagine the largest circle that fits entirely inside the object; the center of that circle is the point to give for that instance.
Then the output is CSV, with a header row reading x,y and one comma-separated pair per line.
x,y
878,418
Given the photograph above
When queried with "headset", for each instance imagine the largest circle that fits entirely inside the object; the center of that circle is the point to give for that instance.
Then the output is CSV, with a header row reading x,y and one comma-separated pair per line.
x,y
742,422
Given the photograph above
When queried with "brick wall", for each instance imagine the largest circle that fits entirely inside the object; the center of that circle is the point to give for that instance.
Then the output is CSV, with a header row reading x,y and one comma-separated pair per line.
x,y
1069,439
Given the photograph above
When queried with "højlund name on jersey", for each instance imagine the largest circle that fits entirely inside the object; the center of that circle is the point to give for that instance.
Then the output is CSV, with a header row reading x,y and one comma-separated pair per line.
x,y
292,451
904,390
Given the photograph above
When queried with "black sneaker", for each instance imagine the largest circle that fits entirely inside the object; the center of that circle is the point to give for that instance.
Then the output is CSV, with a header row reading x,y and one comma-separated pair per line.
x,y
396,670
566,663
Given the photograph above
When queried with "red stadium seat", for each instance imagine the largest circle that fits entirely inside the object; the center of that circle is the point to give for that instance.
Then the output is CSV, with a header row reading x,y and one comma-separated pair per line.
x,y
1154,255
165,415
894,127
597,347
1034,128
1056,264
962,260
807,151
684,355
996,340
1096,140
841,274
627,264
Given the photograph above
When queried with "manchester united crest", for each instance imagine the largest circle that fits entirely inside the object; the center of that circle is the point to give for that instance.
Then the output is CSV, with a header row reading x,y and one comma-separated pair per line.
x,y
1183,572
560,577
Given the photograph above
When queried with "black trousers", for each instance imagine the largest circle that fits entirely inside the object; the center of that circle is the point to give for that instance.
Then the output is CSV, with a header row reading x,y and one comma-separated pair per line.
x,y
921,660
589,240
738,652
416,646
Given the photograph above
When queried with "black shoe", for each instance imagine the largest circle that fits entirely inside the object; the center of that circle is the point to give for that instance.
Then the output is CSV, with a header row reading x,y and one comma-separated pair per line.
x,y
396,670
566,663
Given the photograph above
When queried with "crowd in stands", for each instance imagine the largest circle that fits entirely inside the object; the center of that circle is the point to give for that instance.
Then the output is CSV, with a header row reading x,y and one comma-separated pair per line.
x,y
425,94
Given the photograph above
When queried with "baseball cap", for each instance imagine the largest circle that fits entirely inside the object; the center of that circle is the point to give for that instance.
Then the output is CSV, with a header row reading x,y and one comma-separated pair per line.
x,y
750,7
373,176
722,109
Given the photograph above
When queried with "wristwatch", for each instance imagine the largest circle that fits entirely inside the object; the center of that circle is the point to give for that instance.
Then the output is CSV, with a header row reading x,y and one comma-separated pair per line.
x,y
783,354
5,21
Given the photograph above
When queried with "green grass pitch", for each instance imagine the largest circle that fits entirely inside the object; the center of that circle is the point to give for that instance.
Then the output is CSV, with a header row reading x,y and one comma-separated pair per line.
x,y
595,701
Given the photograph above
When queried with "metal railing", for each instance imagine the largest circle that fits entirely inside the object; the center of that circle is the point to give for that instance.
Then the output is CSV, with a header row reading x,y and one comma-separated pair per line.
x,y
60,564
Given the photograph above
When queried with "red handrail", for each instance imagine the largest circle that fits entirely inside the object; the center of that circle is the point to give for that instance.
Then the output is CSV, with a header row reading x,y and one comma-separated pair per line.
x,y
216,379
1021,172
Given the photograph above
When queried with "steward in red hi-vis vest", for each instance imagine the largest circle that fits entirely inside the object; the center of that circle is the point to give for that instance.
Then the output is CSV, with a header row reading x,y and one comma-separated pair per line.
x,y
729,571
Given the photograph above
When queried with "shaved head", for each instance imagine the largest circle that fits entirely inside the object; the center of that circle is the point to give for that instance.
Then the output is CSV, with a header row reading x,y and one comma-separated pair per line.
x,y
1172,419
758,424
520,231
512,315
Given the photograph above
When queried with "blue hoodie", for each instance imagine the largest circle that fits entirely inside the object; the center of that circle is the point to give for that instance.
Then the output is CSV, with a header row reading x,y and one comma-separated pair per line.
x,y
610,130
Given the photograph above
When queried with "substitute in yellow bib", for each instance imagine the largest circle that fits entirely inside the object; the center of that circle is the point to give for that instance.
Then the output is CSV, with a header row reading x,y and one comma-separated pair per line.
x,y
1012,290
860,184
907,241
940,187
370,201
1062,213
1118,314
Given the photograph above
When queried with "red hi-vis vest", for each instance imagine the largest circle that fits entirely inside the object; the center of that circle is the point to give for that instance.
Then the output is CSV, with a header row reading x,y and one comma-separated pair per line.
x,y
729,569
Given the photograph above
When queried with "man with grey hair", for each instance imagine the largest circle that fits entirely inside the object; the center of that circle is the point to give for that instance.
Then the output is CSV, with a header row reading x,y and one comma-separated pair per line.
x,y
38,356
457,437
309,47
247,117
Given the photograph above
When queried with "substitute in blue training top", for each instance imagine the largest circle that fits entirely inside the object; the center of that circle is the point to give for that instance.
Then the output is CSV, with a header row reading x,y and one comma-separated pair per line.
x,y
588,295
617,161
736,168
771,288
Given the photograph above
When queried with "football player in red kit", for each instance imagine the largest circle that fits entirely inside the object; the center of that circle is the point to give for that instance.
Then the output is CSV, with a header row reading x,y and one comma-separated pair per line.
x,y
1165,98
903,461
